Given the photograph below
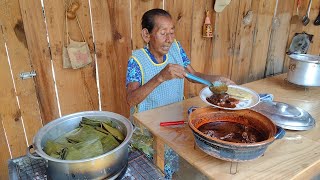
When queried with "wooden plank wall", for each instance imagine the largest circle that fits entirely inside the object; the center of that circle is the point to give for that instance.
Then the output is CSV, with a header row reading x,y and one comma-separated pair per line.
x,y
77,89
20,118
112,37
243,52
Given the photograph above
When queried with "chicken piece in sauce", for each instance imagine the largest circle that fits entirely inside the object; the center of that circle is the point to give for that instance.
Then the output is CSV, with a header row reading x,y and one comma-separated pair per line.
x,y
223,100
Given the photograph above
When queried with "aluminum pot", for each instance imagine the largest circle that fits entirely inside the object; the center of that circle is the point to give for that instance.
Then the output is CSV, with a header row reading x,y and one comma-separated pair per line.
x,y
107,165
231,151
304,69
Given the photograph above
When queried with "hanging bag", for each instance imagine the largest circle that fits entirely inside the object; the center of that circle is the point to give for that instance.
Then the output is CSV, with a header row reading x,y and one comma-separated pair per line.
x,y
75,54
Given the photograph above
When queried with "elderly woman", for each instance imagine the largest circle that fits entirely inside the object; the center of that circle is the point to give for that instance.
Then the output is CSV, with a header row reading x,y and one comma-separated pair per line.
x,y
155,74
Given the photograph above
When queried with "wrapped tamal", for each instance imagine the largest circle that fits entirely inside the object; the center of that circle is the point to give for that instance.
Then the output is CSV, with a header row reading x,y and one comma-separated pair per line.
x,y
92,138
85,133
84,150
53,149
114,131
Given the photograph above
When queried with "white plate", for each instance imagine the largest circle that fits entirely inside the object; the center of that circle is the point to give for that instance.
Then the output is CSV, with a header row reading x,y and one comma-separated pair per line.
x,y
247,97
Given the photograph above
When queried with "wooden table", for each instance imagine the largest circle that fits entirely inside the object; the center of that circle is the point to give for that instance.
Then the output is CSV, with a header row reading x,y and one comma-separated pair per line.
x,y
295,156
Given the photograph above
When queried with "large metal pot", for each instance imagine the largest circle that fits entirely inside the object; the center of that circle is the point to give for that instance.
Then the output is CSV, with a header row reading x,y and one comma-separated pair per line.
x,y
304,69
231,151
107,165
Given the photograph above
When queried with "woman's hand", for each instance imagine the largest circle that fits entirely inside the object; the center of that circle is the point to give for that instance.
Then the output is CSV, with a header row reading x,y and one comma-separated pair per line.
x,y
171,71
226,81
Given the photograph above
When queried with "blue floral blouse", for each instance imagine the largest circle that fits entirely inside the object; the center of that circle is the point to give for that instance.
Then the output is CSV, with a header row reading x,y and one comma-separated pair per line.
x,y
134,72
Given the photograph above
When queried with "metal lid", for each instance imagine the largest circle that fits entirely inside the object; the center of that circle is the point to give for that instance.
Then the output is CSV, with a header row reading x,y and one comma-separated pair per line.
x,y
306,58
286,115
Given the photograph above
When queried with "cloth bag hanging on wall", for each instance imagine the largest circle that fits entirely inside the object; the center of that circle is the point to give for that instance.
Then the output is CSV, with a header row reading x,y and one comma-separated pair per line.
x,y
79,54
65,58
75,54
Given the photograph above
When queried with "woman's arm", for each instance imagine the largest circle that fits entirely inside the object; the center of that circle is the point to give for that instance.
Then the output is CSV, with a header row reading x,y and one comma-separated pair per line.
x,y
189,68
137,93
210,78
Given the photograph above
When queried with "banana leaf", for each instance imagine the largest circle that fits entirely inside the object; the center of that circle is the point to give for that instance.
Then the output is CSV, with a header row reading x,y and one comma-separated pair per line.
x,y
109,143
84,150
143,143
95,122
101,130
52,148
64,141
85,133
86,141
114,131
56,155
91,122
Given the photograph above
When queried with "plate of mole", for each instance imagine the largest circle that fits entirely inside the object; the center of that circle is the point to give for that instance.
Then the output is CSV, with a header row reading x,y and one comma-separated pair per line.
x,y
236,98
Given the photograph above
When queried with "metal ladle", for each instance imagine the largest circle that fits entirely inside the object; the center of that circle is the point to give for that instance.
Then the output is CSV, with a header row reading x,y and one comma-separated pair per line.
x,y
306,19
317,21
216,87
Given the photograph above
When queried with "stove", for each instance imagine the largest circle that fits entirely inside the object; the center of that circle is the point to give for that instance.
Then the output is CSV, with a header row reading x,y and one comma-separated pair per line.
x,y
139,167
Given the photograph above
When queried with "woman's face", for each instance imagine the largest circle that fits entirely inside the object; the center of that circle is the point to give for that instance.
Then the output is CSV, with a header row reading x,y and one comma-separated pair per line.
x,y
161,36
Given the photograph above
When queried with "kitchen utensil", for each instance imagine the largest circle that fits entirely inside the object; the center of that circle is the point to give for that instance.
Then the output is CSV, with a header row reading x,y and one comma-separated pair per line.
x,y
304,69
247,97
100,167
216,87
317,20
296,18
306,19
172,123
286,115
231,151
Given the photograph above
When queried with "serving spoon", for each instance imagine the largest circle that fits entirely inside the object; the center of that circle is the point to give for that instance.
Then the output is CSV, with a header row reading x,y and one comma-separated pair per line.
x,y
216,87
306,19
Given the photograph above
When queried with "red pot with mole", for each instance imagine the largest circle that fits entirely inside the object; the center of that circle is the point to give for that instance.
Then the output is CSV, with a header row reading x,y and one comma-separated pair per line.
x,y
240,135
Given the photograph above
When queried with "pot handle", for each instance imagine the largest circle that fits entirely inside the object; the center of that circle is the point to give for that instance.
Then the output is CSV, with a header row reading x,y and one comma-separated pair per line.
x,y
31,155
266,97
134,127
192,108
280,132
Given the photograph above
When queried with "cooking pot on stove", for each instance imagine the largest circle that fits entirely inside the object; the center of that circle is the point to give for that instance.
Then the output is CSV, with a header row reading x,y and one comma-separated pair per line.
x,y
304,69
109,165
233,151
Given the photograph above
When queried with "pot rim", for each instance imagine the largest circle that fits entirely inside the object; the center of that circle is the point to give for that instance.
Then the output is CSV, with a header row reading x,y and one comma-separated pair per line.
x,y
37,139
233,144
308,58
